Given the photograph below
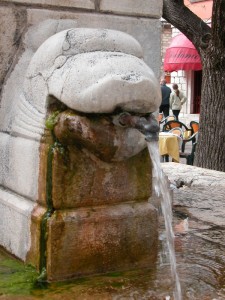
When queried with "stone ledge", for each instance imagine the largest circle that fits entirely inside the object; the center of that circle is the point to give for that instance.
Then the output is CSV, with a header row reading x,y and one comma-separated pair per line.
x,y
193,176
85,4
15,214
197,192
148,8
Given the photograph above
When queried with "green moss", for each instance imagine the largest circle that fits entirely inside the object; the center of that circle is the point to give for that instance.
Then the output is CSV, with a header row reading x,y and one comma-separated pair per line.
x,y
18,281
47,215
50,209
52,120
16,278
62,150
114,274
49,178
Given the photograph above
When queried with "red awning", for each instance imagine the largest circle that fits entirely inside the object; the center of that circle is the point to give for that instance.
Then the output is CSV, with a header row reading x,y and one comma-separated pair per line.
x,y
181,55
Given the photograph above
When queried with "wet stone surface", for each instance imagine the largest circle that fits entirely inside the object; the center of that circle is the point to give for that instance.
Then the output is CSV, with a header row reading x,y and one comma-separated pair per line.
x,y
200,265
198,202
203,203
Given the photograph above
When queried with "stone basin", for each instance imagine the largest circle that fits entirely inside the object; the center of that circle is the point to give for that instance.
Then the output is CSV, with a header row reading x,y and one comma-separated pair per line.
x,y
199,243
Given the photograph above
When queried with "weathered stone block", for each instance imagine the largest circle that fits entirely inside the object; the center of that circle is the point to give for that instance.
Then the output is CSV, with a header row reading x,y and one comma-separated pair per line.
x,y
102,239
19,171
150,8
85,181
145,30
85,4
80,179
15,223
34,252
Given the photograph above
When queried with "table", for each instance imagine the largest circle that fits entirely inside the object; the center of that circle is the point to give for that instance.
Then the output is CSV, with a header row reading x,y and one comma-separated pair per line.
x,y
169,145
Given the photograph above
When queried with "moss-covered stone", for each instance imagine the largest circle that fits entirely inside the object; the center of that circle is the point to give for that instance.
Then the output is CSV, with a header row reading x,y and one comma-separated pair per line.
x,y
16,278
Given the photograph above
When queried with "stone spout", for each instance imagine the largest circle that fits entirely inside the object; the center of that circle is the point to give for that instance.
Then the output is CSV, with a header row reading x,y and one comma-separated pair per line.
x,y
146,124
99,135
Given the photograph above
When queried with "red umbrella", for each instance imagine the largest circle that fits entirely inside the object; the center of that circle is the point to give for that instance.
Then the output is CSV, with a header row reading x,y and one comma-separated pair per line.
x,y
181,55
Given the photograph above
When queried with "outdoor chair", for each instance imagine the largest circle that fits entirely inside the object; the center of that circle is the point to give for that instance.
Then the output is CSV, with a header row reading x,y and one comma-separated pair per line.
x,y
194,126
174,123
165,120
192,139
160,118
189,155
177,131
170,118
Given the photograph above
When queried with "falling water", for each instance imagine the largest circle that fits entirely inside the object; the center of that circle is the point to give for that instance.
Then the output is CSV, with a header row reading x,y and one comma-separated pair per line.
x,y
161,188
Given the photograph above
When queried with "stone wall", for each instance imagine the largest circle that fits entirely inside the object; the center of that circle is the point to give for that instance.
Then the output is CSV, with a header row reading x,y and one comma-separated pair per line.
x,y
138,18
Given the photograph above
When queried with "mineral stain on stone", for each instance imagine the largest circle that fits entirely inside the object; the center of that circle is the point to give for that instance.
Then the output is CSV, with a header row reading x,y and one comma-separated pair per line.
x,y
50,123
47,215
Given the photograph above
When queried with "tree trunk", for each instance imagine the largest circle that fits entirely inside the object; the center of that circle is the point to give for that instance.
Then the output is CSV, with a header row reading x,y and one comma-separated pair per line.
x,y
211,143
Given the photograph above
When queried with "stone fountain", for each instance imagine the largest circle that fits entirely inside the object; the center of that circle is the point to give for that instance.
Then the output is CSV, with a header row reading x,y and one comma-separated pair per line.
x,y
75,171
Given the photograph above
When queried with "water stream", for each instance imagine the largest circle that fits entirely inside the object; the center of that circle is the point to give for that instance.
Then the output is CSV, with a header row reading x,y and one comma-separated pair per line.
x,y
161,188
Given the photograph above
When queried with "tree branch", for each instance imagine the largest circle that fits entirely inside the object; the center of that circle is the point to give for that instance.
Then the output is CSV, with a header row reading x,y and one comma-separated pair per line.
x,y
196,30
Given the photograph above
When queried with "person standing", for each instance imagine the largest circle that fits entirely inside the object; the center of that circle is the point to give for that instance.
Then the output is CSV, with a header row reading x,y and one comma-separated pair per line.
x,y
177,99
165,104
